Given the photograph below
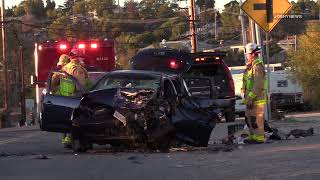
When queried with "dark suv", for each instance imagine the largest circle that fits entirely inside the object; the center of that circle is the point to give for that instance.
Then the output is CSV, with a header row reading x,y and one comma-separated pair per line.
x,y
206,74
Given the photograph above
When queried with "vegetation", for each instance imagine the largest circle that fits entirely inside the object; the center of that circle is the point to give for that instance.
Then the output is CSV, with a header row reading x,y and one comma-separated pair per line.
x,y
305,62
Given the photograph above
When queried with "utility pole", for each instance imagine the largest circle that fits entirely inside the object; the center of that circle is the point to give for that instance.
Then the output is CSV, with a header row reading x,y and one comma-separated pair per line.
x,y
22,88
268,78
119,6
192,18
253,31
265,60
243,30
215,25
4,57
295,42
258,39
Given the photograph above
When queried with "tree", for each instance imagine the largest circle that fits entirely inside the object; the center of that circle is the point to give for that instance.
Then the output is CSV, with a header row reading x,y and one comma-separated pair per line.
x,y
205,4
50,5
67,5
164,11
309,8
56,28
147,8
20,9
36,8
102,7
230,20
288,27
9,12
80,7
305,62
131,8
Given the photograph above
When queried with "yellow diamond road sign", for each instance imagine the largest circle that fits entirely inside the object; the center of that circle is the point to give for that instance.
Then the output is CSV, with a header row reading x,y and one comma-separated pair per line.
x,y
266,13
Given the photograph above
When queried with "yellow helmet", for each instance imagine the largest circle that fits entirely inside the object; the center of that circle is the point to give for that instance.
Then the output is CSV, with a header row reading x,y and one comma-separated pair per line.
x,y
63,60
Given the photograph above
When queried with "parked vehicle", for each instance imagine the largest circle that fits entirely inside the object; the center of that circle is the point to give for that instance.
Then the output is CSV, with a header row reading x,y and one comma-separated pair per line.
x,y
285,92
207,65
133,108
99,57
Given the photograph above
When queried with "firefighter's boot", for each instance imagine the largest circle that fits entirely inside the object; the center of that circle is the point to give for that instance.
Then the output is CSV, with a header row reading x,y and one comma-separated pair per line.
x,y
67,141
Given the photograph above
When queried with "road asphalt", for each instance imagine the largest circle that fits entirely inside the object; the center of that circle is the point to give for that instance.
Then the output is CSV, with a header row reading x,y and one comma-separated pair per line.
x,y
28,153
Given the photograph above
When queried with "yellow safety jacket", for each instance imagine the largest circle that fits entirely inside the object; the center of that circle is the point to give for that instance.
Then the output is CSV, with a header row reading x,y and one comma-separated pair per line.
x,y
67,86
254,83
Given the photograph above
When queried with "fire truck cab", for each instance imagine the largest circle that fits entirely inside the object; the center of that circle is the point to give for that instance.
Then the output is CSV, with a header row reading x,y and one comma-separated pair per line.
x,y
99,58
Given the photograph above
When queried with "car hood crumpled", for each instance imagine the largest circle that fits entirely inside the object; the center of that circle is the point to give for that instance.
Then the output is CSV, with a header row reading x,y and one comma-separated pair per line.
x,y
129,98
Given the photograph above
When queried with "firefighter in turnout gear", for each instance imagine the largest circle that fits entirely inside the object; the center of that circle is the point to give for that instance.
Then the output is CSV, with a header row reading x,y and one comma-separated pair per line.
x,y
76,69
55,84
254,90
68,87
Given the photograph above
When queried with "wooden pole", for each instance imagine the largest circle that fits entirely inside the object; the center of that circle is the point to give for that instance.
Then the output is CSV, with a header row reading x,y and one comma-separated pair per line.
x,y
192,26
4,59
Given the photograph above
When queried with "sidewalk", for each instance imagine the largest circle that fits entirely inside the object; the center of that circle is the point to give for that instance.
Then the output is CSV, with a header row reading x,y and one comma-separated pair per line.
x,y
303,115
17,129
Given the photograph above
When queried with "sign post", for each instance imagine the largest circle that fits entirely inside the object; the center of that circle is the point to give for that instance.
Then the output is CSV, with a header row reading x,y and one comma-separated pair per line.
x,y
267,14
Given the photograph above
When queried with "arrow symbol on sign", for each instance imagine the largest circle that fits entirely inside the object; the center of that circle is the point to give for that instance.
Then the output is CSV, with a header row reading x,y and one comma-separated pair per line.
x,y
265,6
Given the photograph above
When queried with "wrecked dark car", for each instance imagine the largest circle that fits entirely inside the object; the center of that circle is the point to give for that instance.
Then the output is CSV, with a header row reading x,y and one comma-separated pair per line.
x,y
206,74
132,108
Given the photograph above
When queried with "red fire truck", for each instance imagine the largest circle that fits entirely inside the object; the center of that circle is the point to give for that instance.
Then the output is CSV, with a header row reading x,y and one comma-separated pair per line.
x,y
99,58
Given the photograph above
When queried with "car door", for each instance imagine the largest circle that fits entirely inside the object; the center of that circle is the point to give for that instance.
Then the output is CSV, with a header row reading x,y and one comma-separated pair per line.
x,y
57,109
193,121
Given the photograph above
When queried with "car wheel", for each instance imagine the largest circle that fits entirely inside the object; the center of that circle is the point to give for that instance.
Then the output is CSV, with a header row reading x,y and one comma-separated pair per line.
x,y
165,143
230,116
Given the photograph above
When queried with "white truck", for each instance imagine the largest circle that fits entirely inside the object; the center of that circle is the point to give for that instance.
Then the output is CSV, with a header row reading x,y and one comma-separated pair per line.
x,y
285,92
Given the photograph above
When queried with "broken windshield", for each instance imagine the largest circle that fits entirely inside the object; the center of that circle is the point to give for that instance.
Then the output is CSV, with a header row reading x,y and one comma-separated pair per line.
x,y
127,82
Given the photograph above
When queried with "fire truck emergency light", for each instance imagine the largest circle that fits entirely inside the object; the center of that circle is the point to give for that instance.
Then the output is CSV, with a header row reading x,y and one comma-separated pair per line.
x,y
81,46
94,45
63,46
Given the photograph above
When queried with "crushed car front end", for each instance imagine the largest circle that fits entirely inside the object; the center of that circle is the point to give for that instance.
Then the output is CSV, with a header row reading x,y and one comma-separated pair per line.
x,y
116,116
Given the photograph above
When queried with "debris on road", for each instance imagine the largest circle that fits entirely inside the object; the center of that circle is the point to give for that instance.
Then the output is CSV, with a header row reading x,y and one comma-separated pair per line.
x,y
301,133
136,162
40,157
132,158
182,149
238,134
179,166
3,154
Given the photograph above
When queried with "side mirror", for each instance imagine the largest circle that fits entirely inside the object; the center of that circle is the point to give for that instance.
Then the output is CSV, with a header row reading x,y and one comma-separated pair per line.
x,y
33,79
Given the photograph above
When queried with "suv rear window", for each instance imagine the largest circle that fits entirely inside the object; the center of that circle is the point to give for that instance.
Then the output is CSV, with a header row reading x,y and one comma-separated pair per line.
x,y
218,75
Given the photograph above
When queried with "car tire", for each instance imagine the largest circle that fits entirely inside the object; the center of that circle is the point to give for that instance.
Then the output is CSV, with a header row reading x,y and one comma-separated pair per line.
x,y
230,116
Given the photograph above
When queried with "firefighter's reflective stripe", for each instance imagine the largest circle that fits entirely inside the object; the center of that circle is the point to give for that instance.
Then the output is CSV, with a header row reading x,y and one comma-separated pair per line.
x,y
72,66
252,95
257,102
248,83
257,138
67,87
